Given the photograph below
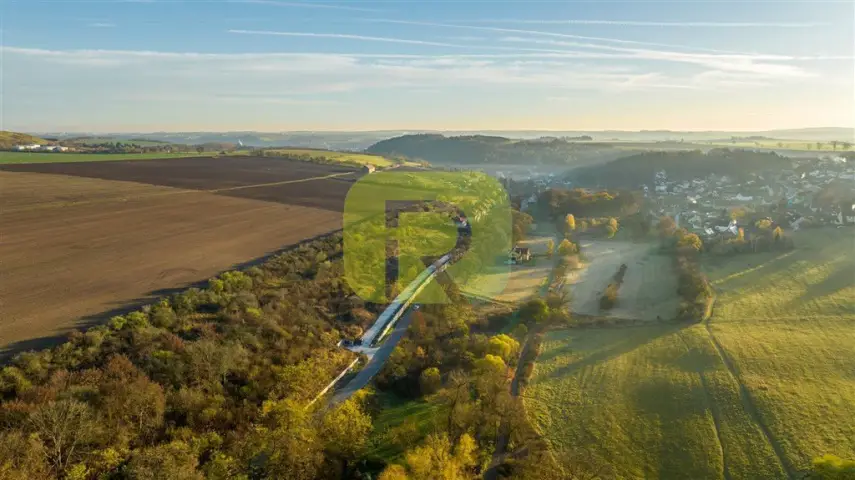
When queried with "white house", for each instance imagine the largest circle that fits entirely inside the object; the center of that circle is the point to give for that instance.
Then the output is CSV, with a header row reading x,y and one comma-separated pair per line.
x,y
33,146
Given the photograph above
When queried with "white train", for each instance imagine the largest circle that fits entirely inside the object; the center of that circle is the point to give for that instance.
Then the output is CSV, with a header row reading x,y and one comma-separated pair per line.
x,y
400,304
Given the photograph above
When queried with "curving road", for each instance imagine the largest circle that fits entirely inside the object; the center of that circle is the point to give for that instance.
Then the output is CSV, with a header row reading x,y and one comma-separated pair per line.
x,y
377,358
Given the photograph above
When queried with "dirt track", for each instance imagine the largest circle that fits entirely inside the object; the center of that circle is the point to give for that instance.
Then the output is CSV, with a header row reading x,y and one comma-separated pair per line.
x,y
73,247
649,287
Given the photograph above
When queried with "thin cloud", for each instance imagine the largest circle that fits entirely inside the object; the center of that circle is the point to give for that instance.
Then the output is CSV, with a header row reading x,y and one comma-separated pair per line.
x,y
344,36
549,34
323,6
638,23
165,72
405,41
101,25
757,64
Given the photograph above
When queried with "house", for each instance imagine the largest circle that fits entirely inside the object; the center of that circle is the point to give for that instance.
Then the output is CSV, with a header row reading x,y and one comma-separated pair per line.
x,y
845,218
40,148
520,254
732,228
369,168
33,146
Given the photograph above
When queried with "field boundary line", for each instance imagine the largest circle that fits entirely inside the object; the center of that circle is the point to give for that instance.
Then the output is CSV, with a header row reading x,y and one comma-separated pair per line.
x,y
745,396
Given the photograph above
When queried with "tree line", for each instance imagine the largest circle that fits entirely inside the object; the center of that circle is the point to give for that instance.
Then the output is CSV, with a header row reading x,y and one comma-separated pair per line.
x,y
559,202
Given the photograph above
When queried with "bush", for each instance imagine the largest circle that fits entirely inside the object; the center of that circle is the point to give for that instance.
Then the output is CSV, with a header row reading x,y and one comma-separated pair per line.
x,y
832,467
609,298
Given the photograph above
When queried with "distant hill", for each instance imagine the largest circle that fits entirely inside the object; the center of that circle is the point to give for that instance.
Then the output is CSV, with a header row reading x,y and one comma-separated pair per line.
x,y
633,170
357,141
10,139
483,149
105,140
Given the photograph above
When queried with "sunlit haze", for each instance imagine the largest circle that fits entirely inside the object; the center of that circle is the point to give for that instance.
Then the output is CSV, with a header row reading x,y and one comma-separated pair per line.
x,y
452,65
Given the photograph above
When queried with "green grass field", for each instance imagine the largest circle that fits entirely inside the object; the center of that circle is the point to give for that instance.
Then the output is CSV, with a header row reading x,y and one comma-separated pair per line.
x,y
35,157
766,386
345,157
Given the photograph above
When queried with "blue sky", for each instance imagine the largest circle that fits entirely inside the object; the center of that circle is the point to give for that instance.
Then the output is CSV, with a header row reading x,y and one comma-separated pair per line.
x,y
270,65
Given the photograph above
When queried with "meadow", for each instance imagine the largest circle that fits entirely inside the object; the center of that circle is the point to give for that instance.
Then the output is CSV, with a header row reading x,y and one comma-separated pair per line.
x,y
757,392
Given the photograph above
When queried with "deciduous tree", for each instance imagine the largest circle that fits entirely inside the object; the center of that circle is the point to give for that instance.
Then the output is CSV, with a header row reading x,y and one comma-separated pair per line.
x,y
430,381
570,222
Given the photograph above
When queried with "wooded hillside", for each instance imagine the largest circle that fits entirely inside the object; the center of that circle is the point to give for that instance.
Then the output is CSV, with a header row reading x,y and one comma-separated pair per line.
x,y
633,170
439,149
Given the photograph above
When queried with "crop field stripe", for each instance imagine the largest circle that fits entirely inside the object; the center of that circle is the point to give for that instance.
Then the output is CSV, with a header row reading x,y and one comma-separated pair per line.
x,y
748,402
273,184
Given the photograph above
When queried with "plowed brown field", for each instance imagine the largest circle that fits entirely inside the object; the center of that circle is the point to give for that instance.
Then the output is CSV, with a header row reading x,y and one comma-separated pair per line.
x,y
73,248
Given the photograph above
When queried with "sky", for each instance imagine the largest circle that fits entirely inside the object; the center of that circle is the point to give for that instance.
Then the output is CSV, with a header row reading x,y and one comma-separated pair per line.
x,y
270,65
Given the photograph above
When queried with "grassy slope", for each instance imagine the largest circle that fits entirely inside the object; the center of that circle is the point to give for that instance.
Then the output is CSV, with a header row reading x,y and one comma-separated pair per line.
x,y
10,139
788,324
26,157
360,158
660,401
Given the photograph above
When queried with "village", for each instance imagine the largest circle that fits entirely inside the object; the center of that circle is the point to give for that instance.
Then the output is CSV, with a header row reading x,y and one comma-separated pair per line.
x,y
807,194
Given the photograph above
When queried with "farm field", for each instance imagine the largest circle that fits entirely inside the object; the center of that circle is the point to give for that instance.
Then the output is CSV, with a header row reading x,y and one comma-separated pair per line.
x,y
13,158
758,392
263,178
75,247
649,288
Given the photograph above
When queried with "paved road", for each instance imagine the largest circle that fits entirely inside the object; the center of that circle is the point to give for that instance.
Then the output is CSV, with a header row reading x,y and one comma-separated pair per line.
x,y
377,358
